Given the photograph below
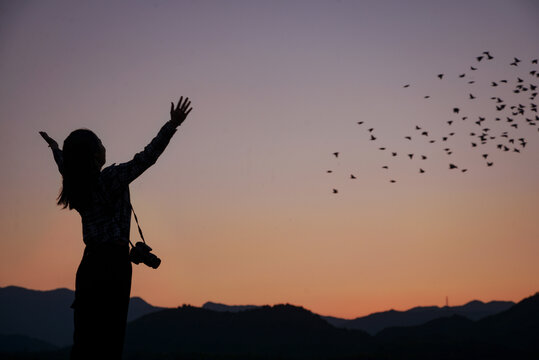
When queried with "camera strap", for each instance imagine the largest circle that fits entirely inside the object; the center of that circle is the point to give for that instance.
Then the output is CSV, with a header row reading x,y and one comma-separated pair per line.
x,y
139,229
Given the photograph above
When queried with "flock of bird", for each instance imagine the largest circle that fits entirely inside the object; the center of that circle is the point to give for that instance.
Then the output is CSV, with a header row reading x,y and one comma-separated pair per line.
x,y
512,115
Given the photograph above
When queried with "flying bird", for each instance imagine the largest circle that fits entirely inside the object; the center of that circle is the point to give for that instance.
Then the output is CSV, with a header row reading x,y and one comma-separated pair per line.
x,y
336,154
440,75
452,166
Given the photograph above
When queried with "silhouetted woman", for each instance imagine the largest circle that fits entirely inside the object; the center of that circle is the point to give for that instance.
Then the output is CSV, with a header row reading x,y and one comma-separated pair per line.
x,y
103,280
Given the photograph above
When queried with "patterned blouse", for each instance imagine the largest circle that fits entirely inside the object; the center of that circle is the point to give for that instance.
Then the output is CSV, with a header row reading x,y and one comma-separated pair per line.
x,y
108,218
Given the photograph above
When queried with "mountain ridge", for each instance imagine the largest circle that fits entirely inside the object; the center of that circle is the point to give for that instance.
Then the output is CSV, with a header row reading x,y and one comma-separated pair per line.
x,y
292,332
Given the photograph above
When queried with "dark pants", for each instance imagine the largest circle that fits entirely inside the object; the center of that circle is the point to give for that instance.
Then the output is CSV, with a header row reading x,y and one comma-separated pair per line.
x,y
102,290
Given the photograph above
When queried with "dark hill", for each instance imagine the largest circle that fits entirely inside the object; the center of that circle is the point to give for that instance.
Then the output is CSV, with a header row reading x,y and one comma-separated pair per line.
x,y
280,331
517,327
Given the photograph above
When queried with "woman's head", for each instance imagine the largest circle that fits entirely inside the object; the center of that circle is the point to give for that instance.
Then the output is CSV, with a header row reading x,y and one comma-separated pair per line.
x,y
83,157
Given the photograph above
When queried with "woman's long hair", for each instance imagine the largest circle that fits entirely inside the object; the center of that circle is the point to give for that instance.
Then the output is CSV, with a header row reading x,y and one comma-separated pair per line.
x,y
80,170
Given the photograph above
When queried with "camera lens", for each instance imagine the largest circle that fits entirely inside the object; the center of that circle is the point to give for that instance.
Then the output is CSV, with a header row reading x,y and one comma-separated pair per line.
x,y
152,261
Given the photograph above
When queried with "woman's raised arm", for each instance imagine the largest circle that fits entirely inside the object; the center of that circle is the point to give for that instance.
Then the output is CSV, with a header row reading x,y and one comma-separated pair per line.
x,y
123,174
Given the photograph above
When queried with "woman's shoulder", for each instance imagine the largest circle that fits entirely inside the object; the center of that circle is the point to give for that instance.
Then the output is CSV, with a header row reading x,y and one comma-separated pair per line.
x,y
110,179
108,173
109,168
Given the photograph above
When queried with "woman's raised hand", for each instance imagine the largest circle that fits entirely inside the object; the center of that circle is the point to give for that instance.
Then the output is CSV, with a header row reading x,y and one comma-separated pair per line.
x,y
52,143
178,114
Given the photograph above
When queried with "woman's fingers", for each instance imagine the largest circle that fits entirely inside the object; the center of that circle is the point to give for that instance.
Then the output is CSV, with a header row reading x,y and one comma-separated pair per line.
x,y
179,103
186,105
45,136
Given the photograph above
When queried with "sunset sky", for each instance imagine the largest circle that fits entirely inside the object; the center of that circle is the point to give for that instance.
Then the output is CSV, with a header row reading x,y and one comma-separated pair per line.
x,y
240,207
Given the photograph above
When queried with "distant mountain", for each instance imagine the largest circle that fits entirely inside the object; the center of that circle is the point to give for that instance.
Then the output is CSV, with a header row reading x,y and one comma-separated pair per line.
x,y
47,315
44,315
269,331
373,323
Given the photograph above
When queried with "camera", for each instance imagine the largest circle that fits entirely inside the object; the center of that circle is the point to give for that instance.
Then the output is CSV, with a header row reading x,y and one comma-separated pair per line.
x,y
140,253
